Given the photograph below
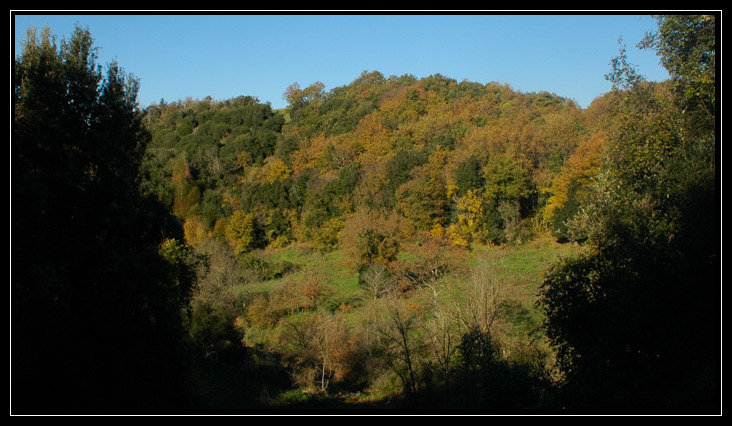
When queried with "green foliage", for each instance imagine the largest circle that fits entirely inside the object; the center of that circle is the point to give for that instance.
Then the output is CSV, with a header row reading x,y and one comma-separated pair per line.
x,y
648,280
398,169
326,206
209,209
686,45
478,220
488,381
272,195
211,139
339,110
564,214
469,175
213,332
507,178
180,261
423,199
345,183
362,146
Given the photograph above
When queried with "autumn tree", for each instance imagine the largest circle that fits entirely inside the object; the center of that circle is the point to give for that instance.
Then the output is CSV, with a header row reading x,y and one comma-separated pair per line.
x,y
575,177
373,247
423,199
507,178
244,232
323,350
326,206
477,220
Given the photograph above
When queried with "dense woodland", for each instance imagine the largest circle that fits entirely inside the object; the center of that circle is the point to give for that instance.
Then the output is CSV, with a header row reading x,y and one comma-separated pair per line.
x,y
395,243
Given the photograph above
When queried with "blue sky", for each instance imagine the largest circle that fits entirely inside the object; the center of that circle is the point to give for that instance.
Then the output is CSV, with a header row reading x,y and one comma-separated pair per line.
x,y
229,55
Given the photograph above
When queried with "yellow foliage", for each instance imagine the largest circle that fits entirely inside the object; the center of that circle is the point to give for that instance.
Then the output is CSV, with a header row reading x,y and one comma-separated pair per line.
x,y
484,141
439,157
471,203
467,227
458,235
372,138
438,230
396,108
219,229
327,237
310,152
451,188
194,231
580,167
274,170
345,204
241,231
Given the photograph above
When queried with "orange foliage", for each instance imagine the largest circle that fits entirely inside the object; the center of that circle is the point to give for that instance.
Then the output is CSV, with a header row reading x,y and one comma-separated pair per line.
x,y
580,167
372,138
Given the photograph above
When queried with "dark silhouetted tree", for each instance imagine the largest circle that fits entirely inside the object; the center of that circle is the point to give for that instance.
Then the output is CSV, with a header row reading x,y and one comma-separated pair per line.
x,y
636,319
98,301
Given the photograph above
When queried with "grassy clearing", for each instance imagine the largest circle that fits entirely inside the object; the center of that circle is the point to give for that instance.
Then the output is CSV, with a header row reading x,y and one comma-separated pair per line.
x,y
516,270
520,270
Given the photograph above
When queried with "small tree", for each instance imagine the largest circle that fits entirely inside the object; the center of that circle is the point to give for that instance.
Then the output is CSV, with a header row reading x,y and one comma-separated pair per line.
x,y
442,336
244,233
397,330
322,350
375,280
373,247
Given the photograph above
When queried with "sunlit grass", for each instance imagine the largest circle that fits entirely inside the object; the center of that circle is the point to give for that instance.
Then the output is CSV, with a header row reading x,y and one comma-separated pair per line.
x,y
516,269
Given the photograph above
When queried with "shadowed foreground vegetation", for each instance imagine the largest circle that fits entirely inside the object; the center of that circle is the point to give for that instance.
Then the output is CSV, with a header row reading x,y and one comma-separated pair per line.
x,y
348,349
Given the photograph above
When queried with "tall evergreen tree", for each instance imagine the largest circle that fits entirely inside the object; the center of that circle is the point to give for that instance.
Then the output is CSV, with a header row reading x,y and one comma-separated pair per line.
x,y
97,300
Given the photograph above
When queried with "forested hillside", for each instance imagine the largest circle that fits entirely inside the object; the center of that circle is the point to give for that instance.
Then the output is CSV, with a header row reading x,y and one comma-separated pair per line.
x,y
392,243
468,162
